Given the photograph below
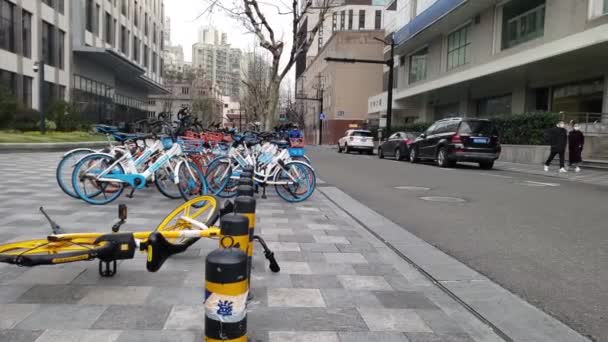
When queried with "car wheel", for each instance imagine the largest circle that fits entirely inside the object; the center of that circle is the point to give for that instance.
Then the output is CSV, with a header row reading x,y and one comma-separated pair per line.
x,y
413,155
398,154
380,154
339,148
346,149
486,165
442,158
360,152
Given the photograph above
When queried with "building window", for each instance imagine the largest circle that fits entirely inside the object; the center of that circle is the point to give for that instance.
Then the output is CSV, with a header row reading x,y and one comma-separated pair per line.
x,y
26,24
8,81
108,29
61,50
350,19
146,24
320,33
135,49
135,15
185,90
334,22
605,7
146,56
123,7
97,30
378,20
56,4
522,21
154,33
154,62
342,20
417,70
89,15
48,46
459,47
493,106
7,26
124,40
361,19
27,91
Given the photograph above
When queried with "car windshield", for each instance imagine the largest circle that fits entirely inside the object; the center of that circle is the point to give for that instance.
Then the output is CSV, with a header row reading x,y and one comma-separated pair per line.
x,y
486,128
361,134
412,136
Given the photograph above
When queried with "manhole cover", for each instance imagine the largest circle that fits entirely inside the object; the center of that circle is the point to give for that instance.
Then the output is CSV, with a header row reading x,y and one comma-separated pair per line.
x,y
443,199
413,188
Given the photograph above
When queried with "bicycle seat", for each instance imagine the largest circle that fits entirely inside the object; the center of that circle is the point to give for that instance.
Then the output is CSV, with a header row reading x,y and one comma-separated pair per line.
x,y
280,143
159,250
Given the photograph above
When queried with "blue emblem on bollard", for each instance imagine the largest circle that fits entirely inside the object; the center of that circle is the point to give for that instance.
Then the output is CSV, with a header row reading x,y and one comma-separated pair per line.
x,y
224,308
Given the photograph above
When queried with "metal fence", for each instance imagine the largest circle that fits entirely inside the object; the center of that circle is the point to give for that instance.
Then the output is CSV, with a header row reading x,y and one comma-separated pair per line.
x,y
591,123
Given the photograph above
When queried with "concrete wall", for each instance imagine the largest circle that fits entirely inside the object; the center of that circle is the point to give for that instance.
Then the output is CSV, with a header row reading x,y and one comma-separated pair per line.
x,y
524,154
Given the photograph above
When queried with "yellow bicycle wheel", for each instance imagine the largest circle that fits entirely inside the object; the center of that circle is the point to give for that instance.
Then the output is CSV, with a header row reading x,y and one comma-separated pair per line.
x,y
48,252
189,216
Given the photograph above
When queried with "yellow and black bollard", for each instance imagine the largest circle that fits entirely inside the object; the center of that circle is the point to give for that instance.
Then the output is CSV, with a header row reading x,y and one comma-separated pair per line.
x,y
235,229
226,295
245,205
245,190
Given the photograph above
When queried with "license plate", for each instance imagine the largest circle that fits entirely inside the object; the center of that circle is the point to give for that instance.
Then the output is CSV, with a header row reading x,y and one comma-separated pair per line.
x,y
480,140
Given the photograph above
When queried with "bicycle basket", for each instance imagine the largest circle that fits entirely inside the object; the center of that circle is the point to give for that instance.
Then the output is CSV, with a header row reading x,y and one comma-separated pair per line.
x,y
213,138
191,145
167,142
296,142
296,152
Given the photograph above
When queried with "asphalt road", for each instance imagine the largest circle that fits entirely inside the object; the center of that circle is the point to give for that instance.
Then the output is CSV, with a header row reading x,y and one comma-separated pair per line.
x,y
544,239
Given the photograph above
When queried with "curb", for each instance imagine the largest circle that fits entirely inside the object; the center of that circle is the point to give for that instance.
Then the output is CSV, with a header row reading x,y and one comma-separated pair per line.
x,y
50,147
509,316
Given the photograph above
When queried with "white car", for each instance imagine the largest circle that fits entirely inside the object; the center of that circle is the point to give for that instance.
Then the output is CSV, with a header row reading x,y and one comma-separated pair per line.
x,y
357,140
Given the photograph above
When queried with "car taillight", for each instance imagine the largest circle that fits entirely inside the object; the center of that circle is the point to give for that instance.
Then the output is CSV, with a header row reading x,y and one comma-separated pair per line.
x,y
407,141
456,139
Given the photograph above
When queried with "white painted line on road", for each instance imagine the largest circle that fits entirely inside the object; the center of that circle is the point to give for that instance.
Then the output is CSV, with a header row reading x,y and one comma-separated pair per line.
x,y
541,184
413,188
493,175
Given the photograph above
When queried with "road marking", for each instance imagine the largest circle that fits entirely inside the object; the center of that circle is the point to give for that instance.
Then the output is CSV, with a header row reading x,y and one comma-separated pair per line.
x,y
413,188
493,175
443,199
541,184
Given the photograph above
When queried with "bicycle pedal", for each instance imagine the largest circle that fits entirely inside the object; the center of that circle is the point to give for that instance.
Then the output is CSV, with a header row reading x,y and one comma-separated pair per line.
x,y
130,195
107,269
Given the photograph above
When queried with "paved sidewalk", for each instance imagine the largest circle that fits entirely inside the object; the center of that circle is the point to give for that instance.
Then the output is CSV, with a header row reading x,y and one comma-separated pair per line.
x,y
337,282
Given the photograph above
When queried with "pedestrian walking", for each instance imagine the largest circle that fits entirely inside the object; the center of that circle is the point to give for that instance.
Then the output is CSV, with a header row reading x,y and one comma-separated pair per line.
x,y
557,137
576,142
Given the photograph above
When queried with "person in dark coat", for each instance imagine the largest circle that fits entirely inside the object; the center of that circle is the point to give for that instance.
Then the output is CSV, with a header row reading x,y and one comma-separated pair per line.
x,y
557,137
576,142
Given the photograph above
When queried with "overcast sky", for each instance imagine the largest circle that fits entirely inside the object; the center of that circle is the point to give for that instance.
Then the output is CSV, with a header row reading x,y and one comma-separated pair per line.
x,y
184,25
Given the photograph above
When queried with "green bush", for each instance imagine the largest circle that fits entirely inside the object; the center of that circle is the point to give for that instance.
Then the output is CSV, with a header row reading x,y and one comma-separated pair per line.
x,y
26,119
8,108
66,116
49,125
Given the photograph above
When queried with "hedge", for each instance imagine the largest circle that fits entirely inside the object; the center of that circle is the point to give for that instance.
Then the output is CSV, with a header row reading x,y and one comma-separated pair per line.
x,y
515,129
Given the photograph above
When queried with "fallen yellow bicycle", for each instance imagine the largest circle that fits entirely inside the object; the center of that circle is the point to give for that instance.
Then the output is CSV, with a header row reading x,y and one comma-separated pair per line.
x,y
178,231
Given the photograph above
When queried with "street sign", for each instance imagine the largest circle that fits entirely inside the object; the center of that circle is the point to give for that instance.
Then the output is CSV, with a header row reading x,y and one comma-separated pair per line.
x,y
322,116
382,122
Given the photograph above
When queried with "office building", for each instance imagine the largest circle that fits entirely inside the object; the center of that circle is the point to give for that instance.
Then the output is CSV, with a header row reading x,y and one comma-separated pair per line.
x,y
220,62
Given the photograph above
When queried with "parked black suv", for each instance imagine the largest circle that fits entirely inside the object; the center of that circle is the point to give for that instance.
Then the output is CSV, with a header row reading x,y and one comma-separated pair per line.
x,y
453,140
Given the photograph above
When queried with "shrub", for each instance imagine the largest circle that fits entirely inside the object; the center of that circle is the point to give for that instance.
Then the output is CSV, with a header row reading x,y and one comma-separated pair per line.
x,y
8,108
66,116
26,119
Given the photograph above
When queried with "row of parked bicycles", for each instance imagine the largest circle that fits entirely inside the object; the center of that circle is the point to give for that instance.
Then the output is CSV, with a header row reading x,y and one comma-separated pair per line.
x,y
186,166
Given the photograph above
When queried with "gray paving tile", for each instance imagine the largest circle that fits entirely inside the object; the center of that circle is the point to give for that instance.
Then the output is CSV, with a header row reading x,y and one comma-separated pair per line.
x,y
405,300
10,293
293,267
295,298
12,314
325,268
300,336
19,335
296,238
315,247
380,319
169,296
375,269
54,294
66,316
137,317
439,322
315,281
371,283
186,317
159,336
271,280
372,336
52,275
119,295
340,298
133,278
79,336
306,319
431,337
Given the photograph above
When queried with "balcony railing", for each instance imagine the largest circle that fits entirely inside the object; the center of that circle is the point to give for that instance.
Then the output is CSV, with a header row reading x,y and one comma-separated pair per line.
x,y
525,27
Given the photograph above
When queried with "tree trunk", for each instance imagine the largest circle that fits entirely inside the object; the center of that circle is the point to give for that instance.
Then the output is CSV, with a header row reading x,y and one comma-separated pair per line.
x,y
274,88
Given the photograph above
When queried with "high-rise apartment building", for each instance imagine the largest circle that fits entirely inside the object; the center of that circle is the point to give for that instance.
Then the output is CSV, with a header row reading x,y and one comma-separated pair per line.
x,y
104,56
220,62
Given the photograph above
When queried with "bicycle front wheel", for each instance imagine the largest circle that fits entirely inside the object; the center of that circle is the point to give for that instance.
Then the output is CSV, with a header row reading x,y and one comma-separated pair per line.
x,y
219,173
164,179
88,187
203,209
65,169
296,182
45,252
191,181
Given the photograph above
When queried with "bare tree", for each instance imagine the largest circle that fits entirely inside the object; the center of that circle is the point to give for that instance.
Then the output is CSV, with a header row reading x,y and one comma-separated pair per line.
x,y
253,14
255,79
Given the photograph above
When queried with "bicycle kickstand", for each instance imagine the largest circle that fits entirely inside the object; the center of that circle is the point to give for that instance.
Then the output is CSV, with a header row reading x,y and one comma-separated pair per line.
x,y
107,269
274,265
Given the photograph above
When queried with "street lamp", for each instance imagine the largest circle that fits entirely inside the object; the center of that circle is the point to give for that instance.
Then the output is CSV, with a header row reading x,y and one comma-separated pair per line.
x,y
39,68
391,65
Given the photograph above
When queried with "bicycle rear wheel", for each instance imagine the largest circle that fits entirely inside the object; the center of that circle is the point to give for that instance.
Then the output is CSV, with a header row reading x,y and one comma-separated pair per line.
x,y
191,181
164,180
203,209
298,182
45,252
219,173
63,174
86,185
